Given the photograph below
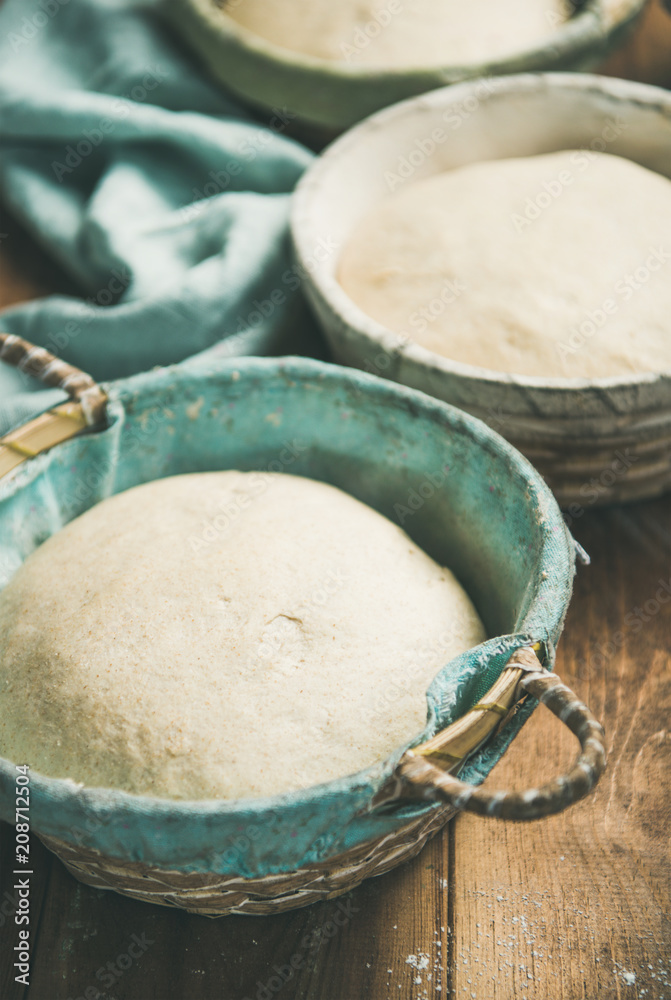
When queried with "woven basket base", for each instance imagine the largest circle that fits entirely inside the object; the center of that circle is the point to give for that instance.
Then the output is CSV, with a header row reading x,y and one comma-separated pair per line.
x,y
218,895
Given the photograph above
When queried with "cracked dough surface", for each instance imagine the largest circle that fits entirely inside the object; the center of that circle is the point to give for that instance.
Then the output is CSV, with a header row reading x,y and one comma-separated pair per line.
x,y
556,265
223,635
411,32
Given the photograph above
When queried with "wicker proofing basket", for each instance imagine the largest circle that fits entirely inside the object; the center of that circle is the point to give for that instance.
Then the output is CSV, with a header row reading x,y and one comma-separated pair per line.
x,y
335,95
595,441
325,840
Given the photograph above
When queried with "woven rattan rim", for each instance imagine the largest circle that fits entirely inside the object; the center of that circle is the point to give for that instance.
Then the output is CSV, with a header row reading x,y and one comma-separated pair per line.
x,y
214,895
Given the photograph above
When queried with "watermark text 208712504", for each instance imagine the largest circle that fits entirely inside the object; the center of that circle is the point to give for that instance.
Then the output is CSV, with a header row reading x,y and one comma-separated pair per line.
x,y
22,874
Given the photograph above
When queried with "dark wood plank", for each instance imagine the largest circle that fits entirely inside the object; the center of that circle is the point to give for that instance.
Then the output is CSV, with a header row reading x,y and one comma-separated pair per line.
x,y
578,906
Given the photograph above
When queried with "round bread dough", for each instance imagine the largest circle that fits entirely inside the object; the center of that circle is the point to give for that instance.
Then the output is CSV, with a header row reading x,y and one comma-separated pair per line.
x,y
402,33
223,635
556,265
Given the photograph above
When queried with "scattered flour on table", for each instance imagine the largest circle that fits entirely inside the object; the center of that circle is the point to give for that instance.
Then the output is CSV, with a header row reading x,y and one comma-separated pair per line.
x,y
528,948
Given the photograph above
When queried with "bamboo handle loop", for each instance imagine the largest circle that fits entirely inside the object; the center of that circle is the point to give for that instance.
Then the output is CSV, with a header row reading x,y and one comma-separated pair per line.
x,y
87,406
420,777
46,367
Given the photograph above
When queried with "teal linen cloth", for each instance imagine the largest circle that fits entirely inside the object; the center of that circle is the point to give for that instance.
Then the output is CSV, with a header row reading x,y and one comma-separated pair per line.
x,y
165,202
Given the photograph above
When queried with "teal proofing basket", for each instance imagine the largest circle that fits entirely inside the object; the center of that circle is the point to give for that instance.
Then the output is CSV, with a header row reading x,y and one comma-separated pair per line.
x,y
493,521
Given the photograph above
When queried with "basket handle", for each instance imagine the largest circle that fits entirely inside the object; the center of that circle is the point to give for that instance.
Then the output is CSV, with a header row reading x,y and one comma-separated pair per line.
x,y
420,778
87,406
43,365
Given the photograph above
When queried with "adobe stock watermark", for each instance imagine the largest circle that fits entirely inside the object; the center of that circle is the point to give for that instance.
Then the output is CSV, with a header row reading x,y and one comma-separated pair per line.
x,y
415,671
636,619
87,309
366,33
323,249
423,147
291,280
633,622
248,149
599,485
495,418
108,975
420,320
623,290
89,484
380,363
119,281
232,505
553,188
417,497
22,873
310,943
30,27
75,153
235,852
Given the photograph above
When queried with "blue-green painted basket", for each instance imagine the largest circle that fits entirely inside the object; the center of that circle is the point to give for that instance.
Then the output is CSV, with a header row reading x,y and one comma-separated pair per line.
x,y
493,521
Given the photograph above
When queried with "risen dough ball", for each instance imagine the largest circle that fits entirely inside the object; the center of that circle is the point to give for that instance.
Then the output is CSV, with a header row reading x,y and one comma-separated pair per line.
x,y
556,265
223,635
402,33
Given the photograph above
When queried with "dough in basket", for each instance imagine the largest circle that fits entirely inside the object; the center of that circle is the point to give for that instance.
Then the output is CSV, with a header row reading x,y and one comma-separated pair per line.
x,y
556,265
222,635
402,33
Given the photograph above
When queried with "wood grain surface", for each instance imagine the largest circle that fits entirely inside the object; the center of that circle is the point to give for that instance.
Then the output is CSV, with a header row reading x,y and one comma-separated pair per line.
x,y
576,907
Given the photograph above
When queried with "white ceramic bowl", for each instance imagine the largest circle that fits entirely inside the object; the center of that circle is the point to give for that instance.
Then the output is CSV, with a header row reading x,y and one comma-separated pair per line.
x,y
335,95
595,441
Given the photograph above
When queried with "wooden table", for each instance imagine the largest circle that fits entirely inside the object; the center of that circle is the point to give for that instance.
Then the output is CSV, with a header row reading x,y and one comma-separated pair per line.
x,y
576,907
